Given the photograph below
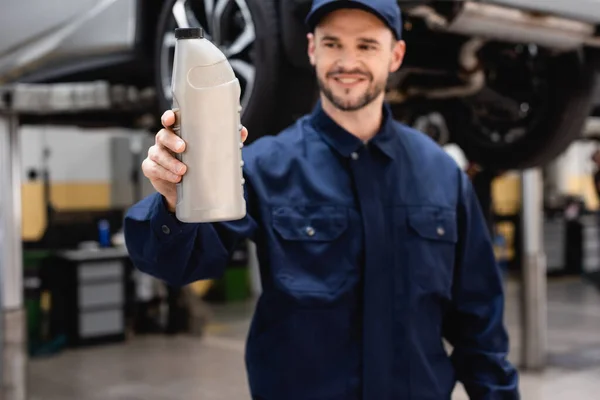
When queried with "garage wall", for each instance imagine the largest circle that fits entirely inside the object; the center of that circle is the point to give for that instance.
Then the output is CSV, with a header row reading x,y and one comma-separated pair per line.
x,y
90,169
577,171
573,174
82,167
75,155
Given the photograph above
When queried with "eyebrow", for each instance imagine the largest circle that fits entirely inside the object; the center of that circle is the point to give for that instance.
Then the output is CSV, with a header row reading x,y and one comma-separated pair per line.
x,y
330,38
369,40
362,40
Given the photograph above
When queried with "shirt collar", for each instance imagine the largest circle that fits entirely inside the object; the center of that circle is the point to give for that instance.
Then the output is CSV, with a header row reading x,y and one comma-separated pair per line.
x,y
346,143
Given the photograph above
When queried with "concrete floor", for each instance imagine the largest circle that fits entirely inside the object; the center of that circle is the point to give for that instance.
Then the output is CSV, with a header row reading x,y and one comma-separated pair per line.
x,y
211,368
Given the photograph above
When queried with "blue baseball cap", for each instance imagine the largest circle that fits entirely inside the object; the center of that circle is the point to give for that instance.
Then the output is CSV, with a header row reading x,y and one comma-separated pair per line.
x,y
387,10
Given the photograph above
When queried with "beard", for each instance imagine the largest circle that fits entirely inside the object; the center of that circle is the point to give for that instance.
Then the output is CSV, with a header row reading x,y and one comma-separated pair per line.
x,y
344,104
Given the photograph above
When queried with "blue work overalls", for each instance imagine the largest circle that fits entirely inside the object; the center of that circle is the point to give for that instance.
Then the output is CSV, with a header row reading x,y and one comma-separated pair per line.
x,y
370,255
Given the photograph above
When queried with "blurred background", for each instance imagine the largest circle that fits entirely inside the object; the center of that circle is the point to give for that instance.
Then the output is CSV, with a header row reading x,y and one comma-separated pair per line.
x,y
509,88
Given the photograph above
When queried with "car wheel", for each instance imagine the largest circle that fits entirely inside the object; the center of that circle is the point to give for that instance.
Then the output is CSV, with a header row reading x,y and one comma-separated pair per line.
x,y
247,32
293,13
528,114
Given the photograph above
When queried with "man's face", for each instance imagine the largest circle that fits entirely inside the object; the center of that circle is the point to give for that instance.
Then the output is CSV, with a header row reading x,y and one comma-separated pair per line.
x,y
353,53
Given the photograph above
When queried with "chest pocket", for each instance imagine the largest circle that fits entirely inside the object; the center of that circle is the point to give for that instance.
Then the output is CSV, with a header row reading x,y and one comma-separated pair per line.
x,y
431,243
313,251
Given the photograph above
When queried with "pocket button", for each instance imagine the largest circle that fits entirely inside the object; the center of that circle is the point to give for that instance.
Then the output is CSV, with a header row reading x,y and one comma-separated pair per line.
x,y
310,231
441,231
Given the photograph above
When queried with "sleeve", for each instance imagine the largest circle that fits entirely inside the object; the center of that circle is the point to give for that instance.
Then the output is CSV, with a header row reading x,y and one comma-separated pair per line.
x,y
474,324
180,253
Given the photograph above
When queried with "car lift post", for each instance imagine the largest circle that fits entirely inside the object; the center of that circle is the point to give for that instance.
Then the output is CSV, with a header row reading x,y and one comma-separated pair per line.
x,y
13,354
17,102
533,265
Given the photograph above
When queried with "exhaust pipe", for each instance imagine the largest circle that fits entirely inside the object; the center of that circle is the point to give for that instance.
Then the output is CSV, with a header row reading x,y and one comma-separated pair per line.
x,y
471,73
512,25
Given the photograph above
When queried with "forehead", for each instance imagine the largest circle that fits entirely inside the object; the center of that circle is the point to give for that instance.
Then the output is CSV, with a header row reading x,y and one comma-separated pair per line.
x,y
350,22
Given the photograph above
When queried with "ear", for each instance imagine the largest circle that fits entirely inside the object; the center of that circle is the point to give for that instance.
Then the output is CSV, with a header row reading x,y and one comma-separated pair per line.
x,y
397,55
311,48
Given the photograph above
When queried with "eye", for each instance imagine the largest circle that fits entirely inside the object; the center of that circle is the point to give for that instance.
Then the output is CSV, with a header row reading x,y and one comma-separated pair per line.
x,y
330,45
366,47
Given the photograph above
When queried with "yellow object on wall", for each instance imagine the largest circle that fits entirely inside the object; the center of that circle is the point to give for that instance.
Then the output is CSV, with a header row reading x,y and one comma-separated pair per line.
x,y
583,185
507,230
63,196
34,220
80,195
506,194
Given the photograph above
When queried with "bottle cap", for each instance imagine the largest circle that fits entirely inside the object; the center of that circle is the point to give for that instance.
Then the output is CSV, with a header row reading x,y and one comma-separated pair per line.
x,y
189,33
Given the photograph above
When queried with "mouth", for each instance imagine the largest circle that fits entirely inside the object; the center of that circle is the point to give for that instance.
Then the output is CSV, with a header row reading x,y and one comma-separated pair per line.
x,y
349,80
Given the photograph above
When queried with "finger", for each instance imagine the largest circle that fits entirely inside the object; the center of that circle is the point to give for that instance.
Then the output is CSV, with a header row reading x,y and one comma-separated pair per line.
x,y
165,159
168,118
244,134
153,171
170,140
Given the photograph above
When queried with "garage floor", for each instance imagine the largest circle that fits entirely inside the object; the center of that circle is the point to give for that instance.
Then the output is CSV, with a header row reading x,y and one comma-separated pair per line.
x,y
211,368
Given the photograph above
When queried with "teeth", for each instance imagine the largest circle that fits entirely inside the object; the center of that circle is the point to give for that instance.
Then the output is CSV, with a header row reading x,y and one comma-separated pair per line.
x,y
348,80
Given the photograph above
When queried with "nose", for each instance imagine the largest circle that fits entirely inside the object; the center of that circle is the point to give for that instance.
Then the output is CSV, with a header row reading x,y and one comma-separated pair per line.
x,y
348,59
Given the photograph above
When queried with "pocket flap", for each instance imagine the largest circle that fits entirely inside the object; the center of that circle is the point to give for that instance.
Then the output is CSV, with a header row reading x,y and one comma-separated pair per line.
x,y
434,224
322,223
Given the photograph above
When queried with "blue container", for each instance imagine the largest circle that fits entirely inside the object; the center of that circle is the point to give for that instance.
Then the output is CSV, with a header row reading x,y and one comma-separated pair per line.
x,y
104,233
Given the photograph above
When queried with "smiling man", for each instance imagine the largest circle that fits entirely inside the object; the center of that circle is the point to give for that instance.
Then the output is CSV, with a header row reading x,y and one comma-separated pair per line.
x,y
371,243
350,71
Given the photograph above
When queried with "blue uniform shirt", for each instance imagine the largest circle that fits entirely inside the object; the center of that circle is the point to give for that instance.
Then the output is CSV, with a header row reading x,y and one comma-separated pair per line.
x,y
370,255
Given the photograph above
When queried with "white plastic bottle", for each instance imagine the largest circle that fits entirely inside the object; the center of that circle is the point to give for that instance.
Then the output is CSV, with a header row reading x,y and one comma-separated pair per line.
x,y
206,101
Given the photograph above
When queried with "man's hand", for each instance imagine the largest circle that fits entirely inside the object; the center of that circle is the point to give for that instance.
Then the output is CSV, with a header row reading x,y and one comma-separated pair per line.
x,y
162,167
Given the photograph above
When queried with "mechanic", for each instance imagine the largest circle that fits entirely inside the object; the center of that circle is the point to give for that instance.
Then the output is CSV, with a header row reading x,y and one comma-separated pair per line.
x,y
371,242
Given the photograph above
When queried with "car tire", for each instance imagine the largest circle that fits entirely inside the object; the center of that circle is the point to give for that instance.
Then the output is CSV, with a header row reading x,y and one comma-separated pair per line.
x,y
263,55
572,83
293,13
